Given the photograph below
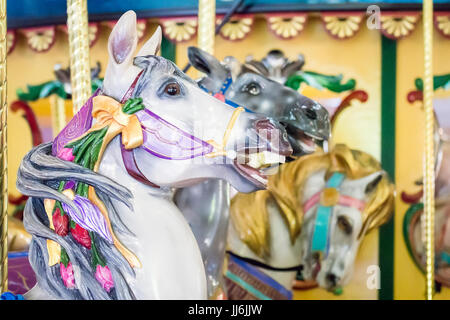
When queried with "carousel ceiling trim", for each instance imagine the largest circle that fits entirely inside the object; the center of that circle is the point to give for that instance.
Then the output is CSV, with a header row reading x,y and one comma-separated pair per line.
x,y
442,23
340,25
237,28
397,25
180,29
40,39
286,25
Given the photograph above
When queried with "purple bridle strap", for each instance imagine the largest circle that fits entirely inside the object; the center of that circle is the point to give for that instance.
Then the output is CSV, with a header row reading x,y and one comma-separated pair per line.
x,y
128,156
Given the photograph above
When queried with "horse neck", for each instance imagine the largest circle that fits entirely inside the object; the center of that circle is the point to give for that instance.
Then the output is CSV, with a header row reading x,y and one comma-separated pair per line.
x,y
163,241
282,253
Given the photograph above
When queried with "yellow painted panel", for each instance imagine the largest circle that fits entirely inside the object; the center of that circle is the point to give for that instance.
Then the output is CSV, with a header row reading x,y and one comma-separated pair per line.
x,y
410,135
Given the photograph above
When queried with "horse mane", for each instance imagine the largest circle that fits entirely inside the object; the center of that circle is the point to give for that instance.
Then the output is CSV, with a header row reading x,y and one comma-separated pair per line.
x,y
38,177
249,212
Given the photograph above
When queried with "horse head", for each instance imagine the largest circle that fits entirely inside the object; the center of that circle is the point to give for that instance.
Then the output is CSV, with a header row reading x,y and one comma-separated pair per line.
x,y
307,122
207,137
340,208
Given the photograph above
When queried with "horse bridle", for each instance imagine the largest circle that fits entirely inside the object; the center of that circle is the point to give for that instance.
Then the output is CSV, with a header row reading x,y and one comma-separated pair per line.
x,y
327,199
128,156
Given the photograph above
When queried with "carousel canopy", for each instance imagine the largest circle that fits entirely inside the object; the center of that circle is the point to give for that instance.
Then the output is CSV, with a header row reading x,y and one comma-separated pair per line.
x,y
32,13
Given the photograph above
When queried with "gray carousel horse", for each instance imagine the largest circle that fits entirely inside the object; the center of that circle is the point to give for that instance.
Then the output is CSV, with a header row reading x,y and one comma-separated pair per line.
x,y
206,205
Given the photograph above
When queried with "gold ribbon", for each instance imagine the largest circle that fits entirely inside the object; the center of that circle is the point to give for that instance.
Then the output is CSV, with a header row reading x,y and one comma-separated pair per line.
x,y
53,248
108,113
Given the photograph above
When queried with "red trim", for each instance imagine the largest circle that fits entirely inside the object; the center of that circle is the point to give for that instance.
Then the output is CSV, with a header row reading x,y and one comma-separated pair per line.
x,y
360,95
13,45
414,96
411,198
30,117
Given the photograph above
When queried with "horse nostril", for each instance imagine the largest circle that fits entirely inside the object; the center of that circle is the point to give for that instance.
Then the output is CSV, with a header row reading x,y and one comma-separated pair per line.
x,y
332,279
311,114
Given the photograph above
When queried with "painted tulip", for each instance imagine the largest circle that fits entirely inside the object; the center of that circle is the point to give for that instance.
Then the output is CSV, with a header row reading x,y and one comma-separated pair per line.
x,y
81,236
88,215
67,275
61,223
104,277
65,154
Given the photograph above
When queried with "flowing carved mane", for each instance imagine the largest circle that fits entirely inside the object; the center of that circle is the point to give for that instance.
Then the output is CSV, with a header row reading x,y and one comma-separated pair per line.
x,y
249,213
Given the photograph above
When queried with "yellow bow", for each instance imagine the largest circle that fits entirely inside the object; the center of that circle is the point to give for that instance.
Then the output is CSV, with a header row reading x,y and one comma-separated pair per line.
x,y
108,112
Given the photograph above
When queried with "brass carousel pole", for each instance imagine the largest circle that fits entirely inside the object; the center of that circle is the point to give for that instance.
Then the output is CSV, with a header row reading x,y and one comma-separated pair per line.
x,y
3,154
429,145
206,25
57,105
80,73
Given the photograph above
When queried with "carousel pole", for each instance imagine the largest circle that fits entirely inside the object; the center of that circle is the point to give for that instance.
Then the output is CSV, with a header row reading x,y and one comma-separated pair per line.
x,y
429,145
57,105
80,73
3,154
206,25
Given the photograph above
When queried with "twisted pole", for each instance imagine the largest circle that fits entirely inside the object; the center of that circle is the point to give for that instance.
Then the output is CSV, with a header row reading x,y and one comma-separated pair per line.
x,y
3,154
206,25
429,145
80,73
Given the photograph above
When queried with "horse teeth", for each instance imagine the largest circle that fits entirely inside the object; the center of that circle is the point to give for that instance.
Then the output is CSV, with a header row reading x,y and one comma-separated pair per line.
x,y
256,160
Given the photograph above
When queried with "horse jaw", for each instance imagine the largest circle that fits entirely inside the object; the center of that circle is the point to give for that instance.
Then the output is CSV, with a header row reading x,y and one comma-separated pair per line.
x,y
163,241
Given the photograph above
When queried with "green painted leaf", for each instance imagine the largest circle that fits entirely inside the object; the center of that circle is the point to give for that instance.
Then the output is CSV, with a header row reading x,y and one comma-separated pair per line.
x,y
320,81
441,81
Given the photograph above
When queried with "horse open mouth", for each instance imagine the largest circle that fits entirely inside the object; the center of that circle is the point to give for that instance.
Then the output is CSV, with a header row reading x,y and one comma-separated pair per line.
x,y
256,166
307,142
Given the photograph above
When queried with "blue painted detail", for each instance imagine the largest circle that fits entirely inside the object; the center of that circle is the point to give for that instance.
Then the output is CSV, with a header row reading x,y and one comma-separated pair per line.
x,y
445,257
17,254
261,276
30,13
227,83
321,234
321,230
335,180
11,296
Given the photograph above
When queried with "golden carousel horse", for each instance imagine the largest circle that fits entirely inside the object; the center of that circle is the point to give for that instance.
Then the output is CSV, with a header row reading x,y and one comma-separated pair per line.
x,y
313,216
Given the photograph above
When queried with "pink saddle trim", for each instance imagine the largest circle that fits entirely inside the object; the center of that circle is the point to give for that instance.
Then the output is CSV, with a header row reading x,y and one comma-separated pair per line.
x,y
346,201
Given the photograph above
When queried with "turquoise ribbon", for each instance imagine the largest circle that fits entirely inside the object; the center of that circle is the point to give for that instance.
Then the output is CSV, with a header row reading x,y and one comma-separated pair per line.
x,y
321,232
445,257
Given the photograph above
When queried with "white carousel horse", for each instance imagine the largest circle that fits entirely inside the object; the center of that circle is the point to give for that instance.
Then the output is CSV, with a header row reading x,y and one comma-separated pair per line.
x,y
314,214
154,129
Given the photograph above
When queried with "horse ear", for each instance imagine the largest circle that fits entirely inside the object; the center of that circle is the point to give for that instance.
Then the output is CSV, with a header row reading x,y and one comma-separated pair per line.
x,y
123,39
152,46
371,181
203,61
293,66
234,66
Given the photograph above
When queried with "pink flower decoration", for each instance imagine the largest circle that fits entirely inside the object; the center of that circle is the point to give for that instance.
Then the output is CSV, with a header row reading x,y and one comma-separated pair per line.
x,y
67,275
103,275
65,154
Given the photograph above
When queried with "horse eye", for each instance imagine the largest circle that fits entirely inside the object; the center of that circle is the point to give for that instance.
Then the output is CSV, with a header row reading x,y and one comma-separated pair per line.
x,y
172,89
344,225
253,89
